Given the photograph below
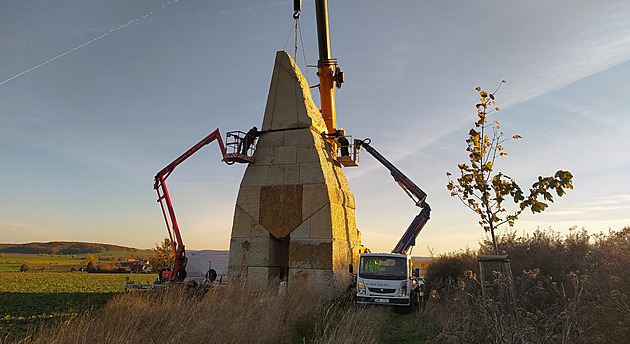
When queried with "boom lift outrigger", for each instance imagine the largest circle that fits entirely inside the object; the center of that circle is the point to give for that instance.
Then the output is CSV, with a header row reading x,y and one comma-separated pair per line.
x,y
232,153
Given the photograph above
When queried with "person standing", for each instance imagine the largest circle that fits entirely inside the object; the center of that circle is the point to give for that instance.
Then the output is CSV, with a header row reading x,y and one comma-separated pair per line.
x,y
249,139
342,141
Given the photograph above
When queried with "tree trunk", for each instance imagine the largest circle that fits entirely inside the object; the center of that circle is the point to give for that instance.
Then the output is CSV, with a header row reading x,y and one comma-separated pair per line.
x,y
494,242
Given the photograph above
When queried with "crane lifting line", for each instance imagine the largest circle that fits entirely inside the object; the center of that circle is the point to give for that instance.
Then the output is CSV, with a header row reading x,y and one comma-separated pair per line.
x,y
298,28
87,43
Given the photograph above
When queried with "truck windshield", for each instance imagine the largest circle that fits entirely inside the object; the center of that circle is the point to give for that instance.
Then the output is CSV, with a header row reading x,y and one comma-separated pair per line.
x,y
383,267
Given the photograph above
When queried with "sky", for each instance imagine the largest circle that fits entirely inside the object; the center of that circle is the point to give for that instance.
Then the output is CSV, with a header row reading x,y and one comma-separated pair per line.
x,y
97,96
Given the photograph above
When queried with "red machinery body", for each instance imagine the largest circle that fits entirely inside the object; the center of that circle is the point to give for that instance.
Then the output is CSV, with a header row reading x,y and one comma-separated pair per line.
x,y
232,152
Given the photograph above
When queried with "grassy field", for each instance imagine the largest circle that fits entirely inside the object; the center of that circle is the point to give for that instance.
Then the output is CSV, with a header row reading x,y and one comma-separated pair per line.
x,y
11,262
28,299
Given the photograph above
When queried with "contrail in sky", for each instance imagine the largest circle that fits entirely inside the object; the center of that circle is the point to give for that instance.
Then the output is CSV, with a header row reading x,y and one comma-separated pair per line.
x,y
82,45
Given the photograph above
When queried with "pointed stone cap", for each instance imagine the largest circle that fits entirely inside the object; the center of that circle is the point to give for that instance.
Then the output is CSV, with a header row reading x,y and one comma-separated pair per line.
x,y
290,104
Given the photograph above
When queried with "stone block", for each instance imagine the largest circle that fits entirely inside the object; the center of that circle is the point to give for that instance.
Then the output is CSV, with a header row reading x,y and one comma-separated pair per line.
x,y
291,174
258,231
263,155
320,281
307,154
310,254
321,223
257,278
255,176
315,196
303,231
242,224
255,250
280,208
299,137
311,173
249,200
271,139
343,222
235,273
342,252
285,155
276,175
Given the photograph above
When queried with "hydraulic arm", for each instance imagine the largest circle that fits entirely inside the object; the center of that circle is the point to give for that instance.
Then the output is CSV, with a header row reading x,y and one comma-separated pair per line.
x,y
411,189
178,271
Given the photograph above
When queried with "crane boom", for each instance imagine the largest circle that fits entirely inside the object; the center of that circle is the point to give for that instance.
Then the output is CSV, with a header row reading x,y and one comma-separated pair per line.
x,y
411,189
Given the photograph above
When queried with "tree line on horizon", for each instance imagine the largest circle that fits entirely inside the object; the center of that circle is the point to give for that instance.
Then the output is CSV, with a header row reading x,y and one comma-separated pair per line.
x,y
63,247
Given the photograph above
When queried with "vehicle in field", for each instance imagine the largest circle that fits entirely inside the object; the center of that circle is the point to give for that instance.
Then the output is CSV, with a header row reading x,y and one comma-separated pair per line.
x,y
390,278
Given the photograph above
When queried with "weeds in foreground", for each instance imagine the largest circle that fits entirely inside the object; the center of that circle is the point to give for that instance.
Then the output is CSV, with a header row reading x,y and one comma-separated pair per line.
x,y
571,289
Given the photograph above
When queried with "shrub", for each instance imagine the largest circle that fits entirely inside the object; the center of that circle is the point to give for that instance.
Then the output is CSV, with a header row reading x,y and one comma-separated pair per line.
x,y
570,288
442,274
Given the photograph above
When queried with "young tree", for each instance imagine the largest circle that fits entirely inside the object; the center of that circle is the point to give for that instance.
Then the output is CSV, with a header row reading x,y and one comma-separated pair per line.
x,y
162,255
90,262
483,190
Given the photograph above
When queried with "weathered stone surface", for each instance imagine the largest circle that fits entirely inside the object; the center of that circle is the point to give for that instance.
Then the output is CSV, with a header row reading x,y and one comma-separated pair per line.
x,y
276,175
321,223
271,139
263,155
258,231
343,220
307,154
255,251
289,103
310,254
255,175
257,277
285,155
314,198
248,200
280,208
291,174
300,137
328,283
303,231
342,253
311,174
242,223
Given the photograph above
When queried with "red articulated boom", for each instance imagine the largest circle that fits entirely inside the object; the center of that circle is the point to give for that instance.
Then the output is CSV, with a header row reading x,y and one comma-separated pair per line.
x,y
232,153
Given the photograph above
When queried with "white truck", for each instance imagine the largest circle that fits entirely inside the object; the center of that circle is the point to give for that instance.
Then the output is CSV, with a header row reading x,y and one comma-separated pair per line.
x,y
390,278
387,278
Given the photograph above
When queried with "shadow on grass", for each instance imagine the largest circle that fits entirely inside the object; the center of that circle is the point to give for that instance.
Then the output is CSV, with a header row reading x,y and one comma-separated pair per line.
x,y
22,313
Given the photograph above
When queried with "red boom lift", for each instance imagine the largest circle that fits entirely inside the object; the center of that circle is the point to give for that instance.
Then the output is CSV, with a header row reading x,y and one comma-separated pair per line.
x,y
232,152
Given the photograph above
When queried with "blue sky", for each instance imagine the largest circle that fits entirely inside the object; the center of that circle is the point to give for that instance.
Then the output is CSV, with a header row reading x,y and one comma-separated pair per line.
x,y
86,127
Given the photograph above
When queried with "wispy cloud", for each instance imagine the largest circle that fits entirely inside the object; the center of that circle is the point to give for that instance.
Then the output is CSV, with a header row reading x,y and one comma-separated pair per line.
x,y
595,207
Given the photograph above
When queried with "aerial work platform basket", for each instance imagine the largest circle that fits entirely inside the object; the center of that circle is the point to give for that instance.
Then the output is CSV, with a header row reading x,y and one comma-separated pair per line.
x,y
348,156
239,148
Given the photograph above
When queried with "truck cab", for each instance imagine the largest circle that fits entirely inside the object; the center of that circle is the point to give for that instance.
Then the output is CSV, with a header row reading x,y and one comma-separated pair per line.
x,y
387,278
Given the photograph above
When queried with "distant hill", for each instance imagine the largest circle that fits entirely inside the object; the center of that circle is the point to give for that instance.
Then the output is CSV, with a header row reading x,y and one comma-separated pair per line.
x,y
63,247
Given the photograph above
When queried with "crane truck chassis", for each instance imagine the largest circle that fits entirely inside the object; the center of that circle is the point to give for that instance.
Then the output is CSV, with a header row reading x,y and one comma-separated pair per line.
x,y
389,278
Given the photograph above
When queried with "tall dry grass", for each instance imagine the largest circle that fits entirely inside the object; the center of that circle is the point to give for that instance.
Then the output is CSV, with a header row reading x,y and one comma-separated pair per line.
x,y
179,315
226,314
570,288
